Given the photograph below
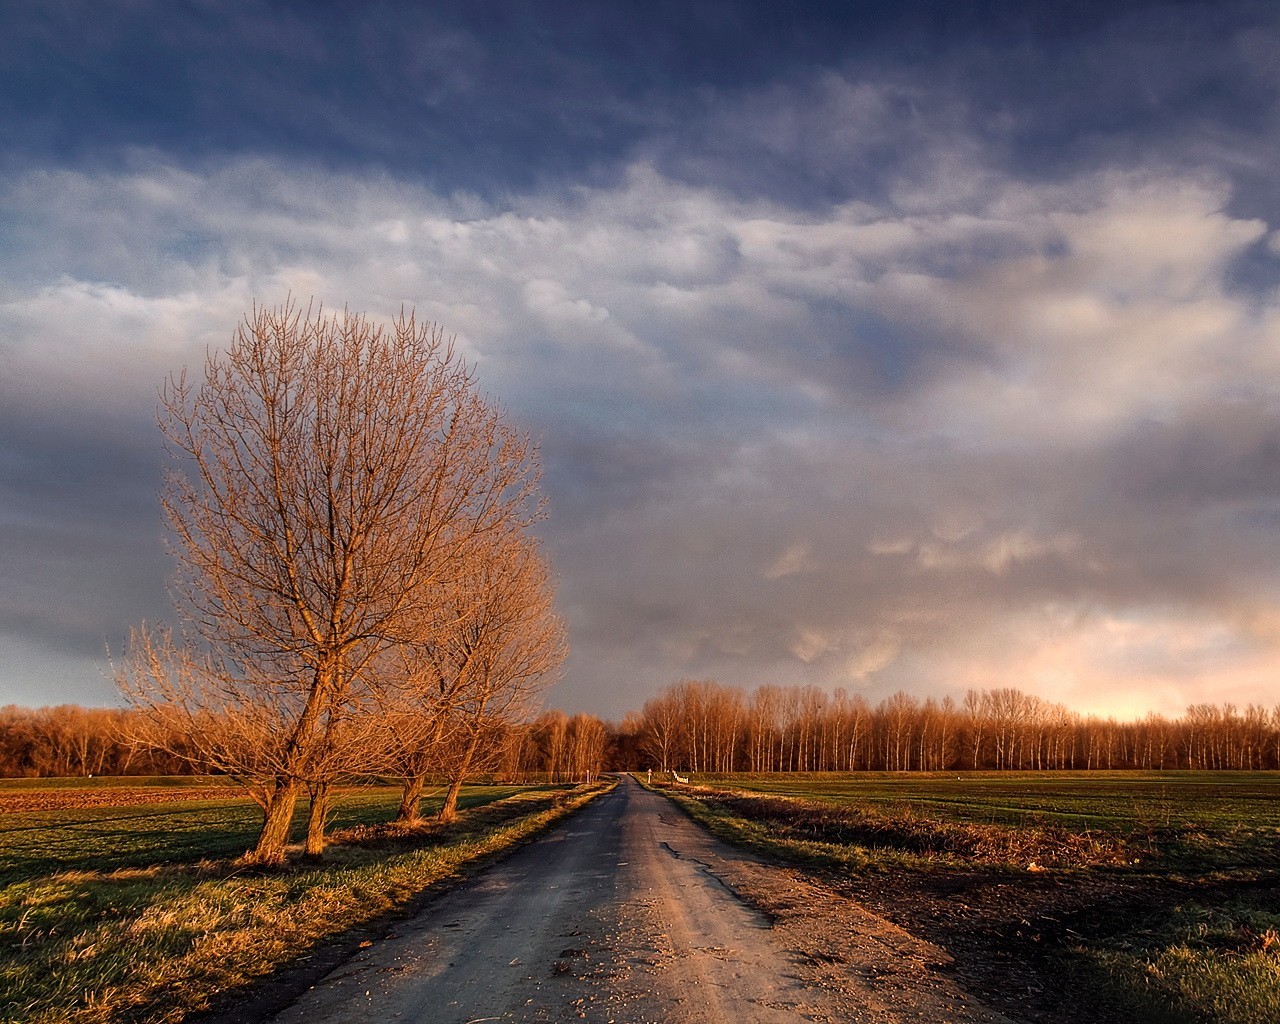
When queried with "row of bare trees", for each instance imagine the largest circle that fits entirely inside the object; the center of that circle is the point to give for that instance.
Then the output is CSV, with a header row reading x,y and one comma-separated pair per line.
x,y
69,740
72,740
358,590
704,726
556,747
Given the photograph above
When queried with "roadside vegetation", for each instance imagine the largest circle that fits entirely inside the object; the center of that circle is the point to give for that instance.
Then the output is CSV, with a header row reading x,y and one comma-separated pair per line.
x,y
1149,896
141,912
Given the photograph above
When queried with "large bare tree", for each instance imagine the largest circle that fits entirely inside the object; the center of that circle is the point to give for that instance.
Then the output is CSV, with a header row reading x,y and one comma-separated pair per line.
x,y
331,474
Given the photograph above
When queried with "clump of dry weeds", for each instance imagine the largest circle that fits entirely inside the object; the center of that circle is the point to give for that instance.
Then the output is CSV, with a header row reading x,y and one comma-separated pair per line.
x,y
1044,846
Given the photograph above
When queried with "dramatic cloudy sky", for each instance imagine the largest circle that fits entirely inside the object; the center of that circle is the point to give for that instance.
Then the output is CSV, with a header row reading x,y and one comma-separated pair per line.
x,y
880,345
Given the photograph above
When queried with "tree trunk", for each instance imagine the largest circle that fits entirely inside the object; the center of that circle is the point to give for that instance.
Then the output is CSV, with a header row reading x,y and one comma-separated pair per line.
x,y
449,810
278,816
410,798
316,819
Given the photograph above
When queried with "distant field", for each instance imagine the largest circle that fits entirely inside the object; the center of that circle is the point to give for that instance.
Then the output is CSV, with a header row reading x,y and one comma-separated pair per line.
x,y
1116,801
98,782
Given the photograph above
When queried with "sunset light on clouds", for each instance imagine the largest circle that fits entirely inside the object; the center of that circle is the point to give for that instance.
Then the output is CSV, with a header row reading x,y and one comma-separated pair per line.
x,y
879,347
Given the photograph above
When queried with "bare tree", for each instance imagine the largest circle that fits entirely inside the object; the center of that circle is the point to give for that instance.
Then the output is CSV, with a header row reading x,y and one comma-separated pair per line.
x,y
661,725
330,473
505,643
419,731
588,739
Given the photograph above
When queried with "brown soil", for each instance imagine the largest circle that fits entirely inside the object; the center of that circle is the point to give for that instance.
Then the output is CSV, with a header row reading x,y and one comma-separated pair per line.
x,y
115,796
1007,933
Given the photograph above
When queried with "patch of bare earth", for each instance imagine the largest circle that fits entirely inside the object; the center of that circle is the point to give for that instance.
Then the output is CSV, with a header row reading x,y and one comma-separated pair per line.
x,y
115,796
1002,934
1006,935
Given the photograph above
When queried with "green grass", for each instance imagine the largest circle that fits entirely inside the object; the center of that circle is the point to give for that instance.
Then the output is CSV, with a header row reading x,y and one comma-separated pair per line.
x,y
149,918
1116,801
1196,961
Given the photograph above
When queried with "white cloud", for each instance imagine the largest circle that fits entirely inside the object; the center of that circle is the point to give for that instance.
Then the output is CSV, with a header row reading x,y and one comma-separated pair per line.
x,y
997,554
873,656
810,644
797,558
892,545
550,299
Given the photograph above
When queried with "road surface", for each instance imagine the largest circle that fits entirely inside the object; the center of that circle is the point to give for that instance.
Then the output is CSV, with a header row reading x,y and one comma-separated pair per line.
x,y
628,913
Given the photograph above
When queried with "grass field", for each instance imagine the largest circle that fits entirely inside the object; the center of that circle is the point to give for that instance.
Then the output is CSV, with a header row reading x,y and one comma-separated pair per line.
x,y
1117,801
139,833
1123,800
91,783
1143,896
137,911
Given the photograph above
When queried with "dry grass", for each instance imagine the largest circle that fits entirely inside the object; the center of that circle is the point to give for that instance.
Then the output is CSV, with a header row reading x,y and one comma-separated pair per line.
x,y
151,945
813,825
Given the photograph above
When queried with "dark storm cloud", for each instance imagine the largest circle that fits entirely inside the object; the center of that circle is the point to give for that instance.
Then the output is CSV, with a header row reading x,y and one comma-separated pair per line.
x,y
473,97
1041,91
492,98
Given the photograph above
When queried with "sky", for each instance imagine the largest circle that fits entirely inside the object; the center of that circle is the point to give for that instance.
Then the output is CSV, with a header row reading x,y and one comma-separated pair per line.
x,y
883,346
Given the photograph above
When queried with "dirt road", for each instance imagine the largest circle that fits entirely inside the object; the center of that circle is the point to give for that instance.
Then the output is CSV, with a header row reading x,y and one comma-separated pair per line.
x,y
629,912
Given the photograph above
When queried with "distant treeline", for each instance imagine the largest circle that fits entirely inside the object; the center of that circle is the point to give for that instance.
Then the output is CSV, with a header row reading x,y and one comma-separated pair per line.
x,y
706,726
71,740
75,741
